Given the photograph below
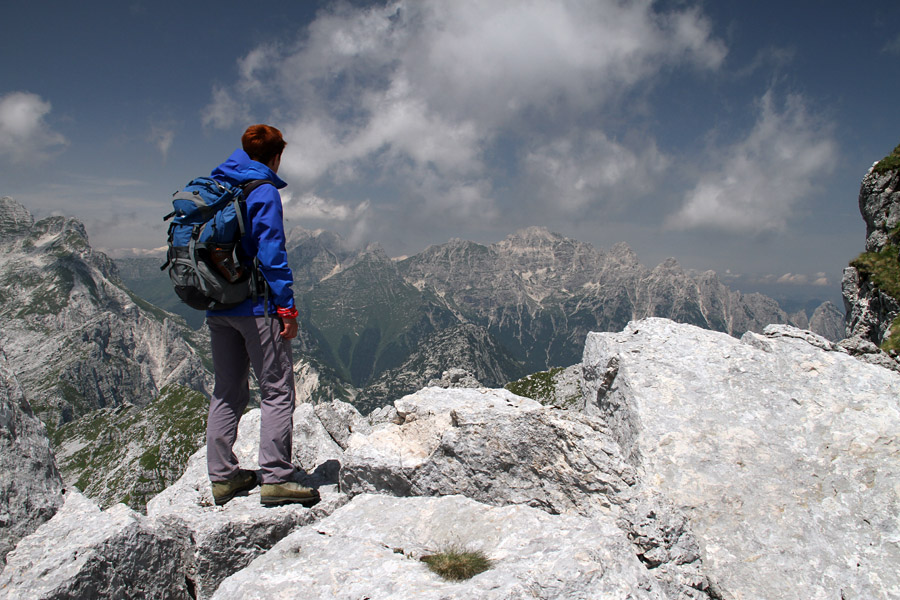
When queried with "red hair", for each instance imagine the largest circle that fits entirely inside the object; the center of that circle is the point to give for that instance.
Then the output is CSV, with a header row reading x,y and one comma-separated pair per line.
x,y
262,143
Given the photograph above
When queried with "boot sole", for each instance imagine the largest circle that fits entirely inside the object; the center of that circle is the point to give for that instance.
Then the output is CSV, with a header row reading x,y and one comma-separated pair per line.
x,y
278,501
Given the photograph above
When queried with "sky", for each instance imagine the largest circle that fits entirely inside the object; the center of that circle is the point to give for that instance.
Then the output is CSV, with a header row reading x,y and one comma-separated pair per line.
x,y
731,135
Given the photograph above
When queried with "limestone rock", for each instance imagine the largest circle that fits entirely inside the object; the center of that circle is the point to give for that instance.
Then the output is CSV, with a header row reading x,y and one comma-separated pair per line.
x,y
492,446
227,538
372,548
31,487
557,387
455,377
868,352
879,204
341,420
780,449
83,552
870,309
499,448
15,220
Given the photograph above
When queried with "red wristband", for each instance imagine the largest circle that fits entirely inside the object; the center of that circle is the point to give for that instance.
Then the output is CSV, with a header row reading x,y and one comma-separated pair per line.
x,y
288,313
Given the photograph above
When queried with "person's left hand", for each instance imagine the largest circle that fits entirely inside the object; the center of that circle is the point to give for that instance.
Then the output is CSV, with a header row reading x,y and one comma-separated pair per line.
x,y
288,328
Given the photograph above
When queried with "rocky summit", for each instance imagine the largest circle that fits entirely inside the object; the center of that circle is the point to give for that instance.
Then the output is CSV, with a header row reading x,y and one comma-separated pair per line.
x,y
694,466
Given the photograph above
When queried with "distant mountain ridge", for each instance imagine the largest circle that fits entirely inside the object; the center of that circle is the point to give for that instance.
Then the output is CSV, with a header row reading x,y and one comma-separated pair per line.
x,y
535,295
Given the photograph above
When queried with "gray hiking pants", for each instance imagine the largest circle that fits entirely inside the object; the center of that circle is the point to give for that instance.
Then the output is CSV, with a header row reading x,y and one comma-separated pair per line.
x,y
237,344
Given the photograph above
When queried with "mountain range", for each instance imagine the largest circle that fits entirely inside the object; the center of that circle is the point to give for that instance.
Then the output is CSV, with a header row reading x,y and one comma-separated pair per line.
x,y
115,378
524,304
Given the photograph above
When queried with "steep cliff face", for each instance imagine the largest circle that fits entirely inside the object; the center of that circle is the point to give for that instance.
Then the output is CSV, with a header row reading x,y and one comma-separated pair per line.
x,y
75,337
129,454
31,487
871,284
90,356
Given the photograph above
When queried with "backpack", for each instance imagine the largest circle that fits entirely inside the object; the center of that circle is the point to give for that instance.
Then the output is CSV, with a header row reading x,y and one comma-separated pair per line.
x,y
204,253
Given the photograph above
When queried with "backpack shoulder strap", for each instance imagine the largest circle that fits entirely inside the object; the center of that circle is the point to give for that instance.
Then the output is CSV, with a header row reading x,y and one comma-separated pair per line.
x,y
252,185
241,199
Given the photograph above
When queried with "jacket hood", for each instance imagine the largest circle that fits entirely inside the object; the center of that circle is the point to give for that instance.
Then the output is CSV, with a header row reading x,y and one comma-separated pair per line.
x,y
240,168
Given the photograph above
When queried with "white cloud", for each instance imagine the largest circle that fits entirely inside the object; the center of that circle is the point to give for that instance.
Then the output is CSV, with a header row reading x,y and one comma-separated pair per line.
x,y
818,279
756,183
417,95
579,170
162,138
892,46
311,206
736,280
24,133
224,110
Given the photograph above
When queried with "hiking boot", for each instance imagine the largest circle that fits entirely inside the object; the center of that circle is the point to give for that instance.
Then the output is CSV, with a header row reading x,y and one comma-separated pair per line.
x,y
223,491
289,492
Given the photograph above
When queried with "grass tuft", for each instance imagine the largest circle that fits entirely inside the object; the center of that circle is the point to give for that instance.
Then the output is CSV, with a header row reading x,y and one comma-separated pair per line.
x,y
883,270
456,564
891,162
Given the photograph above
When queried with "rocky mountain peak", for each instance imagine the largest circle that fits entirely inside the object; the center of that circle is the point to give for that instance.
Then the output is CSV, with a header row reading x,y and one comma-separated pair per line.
x,y
670,265
15,220
535,235
75,337
622,254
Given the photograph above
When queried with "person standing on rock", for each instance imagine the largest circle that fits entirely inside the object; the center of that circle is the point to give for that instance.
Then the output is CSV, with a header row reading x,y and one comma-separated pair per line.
x,y
258,336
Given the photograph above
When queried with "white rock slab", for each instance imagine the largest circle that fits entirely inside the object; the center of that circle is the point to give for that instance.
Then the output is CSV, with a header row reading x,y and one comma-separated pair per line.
x,y
83,552
372,548
492,446
784,454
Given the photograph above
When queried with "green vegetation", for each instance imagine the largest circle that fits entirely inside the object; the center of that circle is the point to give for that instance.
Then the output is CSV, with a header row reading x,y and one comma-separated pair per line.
x,y
128,454
544,387
882,269
456,564
891,345
537,386
366,319
891,162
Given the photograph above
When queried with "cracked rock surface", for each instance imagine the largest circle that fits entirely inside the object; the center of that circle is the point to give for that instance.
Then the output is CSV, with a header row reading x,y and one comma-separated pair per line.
x,y
696,466
781,448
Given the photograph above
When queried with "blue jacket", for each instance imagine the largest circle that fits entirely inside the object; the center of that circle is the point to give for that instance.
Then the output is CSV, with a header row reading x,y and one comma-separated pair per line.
x,y
264,238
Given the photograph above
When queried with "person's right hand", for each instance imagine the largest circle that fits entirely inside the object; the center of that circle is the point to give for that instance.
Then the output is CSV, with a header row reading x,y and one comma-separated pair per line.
x,y
288,328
